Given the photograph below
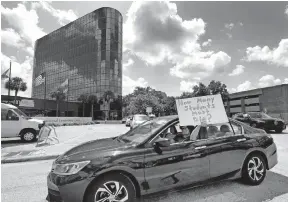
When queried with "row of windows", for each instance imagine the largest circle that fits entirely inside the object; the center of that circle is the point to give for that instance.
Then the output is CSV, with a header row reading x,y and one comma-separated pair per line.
x,y
83,49
86,30
104,37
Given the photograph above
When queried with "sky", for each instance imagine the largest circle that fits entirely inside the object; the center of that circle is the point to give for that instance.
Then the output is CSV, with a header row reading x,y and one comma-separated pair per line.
x,y
170,46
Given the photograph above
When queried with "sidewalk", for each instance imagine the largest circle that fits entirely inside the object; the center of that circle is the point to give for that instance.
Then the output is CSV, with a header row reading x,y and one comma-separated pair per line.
x,y
68,136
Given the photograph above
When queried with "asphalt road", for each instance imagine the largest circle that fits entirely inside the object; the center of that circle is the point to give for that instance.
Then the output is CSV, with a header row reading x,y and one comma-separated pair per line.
x,y
27,182
10,142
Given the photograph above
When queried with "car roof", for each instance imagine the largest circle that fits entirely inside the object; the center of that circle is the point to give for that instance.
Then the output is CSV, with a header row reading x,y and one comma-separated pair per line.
x,y
7,106
139,115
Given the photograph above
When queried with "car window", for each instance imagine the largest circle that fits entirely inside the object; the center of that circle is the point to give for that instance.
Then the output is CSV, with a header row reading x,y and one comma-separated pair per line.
x,y
219,130
10,115
4,114
176,133
141,118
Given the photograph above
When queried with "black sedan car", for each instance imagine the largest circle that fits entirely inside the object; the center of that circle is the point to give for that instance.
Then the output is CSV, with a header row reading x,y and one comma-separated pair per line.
x,y
160,155
261,120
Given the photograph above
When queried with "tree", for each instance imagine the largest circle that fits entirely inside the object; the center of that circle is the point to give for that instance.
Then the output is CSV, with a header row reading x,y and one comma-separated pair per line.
x,y
170,106
217,87
92,99
83,98
106,100
59,96
16,84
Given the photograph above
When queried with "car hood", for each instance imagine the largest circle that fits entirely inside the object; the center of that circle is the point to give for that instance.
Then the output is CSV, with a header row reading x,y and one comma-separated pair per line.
x,y
36,121
95,149
268,119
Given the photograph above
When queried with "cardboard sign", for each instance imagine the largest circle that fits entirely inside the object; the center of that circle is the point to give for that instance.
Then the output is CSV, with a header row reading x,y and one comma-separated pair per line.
x,y
194,111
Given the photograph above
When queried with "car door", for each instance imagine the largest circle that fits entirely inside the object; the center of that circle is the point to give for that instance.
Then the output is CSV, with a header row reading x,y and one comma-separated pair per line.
x,y
226,153
179,164
10,123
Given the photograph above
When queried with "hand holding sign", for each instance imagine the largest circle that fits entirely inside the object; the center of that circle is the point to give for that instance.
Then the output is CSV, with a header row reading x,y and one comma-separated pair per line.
x,y
207,110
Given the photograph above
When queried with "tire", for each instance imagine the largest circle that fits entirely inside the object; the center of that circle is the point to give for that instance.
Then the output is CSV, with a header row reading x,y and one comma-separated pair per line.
x,y
28,135
98,190
278,130
251,176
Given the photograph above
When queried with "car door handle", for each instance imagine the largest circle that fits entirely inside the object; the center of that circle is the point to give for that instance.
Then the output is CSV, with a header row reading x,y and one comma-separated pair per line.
x,y
202,147
241,140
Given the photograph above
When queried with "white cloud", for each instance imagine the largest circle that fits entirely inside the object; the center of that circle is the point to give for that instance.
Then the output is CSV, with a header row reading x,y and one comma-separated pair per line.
x,y
30,50
24,22
247,85
277,56
127,64
268,80
199,64
155,33
11,38
23,70
241,24
285,81
187,86
63,16
229,26
130,84
286,10
207,43
237,71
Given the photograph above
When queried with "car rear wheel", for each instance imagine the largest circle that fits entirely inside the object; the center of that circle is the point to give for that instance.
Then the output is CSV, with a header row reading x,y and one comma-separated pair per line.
x,y
254,170
278,130
28,135
112,188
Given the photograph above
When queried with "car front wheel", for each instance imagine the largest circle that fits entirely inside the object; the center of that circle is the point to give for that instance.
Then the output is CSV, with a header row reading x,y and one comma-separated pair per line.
x,y
112,188
254,170
28,135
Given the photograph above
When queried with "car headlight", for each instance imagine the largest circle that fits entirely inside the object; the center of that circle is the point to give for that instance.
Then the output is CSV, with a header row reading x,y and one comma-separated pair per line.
x,y
69,168
276,123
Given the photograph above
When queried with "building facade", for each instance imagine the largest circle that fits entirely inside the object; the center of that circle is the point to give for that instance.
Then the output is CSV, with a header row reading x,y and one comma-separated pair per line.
x,y
272,100
87,52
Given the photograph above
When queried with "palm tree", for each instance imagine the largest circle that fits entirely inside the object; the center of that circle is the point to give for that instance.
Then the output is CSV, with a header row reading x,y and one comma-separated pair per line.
x,y
107,98
59,96
16,84
92,99
84,99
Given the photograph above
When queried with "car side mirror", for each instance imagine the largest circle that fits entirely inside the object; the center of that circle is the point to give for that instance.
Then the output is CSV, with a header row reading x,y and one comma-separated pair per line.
x,y
162,142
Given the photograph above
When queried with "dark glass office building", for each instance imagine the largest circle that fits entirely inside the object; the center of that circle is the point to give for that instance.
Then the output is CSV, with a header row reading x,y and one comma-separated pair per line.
x,y
87,52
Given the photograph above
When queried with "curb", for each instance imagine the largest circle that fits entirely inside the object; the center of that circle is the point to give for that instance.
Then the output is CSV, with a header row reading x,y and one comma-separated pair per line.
x,y
37,158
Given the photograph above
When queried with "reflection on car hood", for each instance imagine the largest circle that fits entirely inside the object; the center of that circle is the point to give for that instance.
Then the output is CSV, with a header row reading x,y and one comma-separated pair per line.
x,y
36,120
93,149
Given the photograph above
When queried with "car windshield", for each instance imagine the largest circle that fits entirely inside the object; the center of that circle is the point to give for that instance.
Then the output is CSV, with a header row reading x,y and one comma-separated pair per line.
x,y
259,115
22,114
141,118
143,131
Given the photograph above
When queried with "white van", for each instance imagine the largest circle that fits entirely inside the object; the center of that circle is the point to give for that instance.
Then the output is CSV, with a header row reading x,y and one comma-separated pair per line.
x,y
15,123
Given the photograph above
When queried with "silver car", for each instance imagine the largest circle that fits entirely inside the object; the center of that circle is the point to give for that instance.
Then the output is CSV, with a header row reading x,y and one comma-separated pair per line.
x,y
138,119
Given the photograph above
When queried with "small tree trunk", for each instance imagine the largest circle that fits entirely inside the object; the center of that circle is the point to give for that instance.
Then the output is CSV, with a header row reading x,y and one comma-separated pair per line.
x,y
83,113
92,112
57,110
16,92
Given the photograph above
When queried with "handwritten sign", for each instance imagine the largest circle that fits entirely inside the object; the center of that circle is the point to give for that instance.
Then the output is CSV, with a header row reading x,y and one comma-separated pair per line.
x,y
209,109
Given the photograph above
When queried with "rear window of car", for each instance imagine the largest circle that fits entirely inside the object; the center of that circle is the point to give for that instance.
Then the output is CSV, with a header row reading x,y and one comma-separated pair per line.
x,y
141,118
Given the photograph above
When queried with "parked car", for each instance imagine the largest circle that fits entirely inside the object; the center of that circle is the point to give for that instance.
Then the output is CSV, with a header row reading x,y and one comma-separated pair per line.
x,y
128,121
144,161
138,119
261,120
15,123
124,120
